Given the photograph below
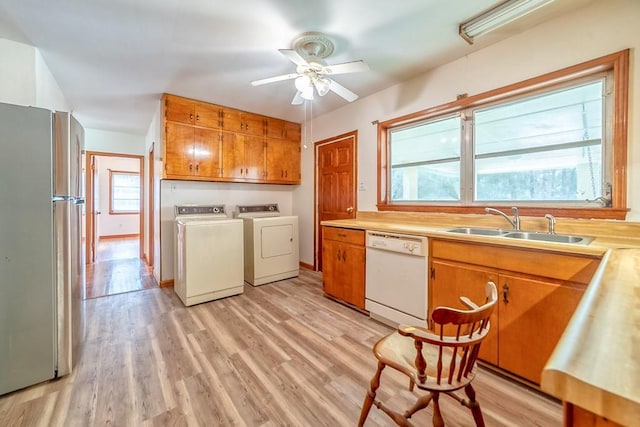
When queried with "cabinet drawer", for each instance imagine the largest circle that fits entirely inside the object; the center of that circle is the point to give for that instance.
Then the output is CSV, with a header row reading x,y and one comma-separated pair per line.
x,y
344,235
573,268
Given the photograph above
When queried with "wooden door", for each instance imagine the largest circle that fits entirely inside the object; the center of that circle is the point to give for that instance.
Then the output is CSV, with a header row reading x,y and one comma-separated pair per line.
x,y
178,159
336,182
274,128
292,131
206,152
449,281
151,215
232,155
532,321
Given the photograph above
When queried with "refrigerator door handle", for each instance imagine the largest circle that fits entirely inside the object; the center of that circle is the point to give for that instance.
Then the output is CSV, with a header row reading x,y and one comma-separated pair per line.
x,y
75,200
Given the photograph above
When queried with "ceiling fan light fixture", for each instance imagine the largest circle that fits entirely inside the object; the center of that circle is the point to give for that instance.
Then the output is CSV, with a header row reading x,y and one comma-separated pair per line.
x,y
302,83
497,16
322,86
307,93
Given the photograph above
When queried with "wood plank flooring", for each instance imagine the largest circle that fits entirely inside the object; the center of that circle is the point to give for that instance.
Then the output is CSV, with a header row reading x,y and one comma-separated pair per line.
x,y
118,269
278,355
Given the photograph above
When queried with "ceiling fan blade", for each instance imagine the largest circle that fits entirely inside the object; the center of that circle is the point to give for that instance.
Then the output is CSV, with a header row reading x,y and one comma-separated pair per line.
x,y
342,91
298,99
274,79
294,57
346,67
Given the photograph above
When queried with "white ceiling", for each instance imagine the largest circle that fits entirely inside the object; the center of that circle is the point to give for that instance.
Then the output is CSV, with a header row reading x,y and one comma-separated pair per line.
x,y
114,58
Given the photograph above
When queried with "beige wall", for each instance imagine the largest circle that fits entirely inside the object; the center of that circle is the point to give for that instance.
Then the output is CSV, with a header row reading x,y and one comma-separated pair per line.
x,y
604,27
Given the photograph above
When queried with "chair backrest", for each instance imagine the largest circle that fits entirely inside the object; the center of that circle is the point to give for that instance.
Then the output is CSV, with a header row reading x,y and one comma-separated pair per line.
x,y
459,352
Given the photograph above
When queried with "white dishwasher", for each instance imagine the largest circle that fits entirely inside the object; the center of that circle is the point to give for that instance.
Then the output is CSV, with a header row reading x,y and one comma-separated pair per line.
x,y
396,278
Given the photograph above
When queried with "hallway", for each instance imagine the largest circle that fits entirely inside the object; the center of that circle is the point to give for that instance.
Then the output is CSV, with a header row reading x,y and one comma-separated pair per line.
x,y
117,269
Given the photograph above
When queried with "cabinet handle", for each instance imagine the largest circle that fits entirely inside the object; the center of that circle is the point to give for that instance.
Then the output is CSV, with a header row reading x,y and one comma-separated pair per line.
x,y
197,167
342,235
191,117
505,293
344,256
338,254
197,117
433,273
190,167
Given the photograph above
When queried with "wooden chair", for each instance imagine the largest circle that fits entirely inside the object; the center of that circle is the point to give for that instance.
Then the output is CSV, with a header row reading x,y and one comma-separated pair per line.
x,y
435,362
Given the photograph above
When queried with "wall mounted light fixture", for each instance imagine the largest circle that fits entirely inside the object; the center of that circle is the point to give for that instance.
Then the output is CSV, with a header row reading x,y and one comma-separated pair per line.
x,y
499,15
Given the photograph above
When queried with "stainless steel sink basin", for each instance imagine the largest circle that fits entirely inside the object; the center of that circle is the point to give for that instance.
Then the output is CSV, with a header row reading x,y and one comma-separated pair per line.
x,y
545,237
478,231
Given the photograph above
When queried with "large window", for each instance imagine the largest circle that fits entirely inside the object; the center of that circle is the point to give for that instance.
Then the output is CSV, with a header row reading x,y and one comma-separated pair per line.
x,y
124,195
553,142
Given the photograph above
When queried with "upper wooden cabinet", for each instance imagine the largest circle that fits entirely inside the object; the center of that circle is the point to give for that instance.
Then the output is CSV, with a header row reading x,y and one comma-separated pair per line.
x,y
192,112
245,147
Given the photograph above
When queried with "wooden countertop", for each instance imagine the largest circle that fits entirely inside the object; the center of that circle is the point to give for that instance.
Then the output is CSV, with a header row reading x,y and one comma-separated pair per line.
x,y
596,363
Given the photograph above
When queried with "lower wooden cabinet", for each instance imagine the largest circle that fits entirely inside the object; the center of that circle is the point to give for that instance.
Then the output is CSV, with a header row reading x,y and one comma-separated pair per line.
x,y
538,293
343,264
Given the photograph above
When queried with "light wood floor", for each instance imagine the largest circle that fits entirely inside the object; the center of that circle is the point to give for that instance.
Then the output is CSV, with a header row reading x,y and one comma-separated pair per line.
x,y
118,268
278,355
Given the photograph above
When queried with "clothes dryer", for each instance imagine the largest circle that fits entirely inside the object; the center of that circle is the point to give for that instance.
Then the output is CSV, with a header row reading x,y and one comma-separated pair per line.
x,y
209,257
271,250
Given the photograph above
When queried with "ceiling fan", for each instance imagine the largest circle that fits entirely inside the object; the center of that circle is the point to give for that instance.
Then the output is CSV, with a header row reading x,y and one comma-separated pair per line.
x,y
312,73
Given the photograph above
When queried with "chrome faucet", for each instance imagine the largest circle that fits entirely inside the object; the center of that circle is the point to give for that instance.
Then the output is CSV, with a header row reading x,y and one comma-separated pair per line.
x,y
515,222
552,223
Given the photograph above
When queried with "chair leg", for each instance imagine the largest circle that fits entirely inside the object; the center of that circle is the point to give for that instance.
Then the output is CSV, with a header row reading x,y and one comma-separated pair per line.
x,y
437,416
371,394
474,405
421,403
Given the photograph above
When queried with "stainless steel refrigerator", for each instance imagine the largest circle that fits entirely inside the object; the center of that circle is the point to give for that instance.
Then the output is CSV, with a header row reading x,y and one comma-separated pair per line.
x,y
41,257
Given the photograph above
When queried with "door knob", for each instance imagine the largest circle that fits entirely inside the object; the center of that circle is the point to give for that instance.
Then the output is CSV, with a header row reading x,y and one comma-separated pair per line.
x,y
350,209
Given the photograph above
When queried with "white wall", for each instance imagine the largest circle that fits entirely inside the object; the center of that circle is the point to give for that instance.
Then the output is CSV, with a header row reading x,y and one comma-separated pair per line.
x,y
604,27
230,194
108,224
25,78
105,141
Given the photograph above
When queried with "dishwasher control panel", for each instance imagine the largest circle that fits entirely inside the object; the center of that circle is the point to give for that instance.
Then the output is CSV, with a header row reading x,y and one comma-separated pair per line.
x,y
410,245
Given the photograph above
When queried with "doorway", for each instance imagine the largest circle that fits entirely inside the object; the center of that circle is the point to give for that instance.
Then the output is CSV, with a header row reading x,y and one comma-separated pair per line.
x,y
114,230
336,171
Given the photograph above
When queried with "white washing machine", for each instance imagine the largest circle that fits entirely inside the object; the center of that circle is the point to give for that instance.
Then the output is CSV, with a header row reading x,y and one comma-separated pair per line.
x,y
209,257
271,250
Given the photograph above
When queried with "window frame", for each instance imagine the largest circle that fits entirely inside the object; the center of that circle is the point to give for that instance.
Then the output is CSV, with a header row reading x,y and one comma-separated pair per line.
x,y
111,177
617,64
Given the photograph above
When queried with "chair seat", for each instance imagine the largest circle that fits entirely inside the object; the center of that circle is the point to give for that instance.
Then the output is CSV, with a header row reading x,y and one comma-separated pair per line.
x,y
399,352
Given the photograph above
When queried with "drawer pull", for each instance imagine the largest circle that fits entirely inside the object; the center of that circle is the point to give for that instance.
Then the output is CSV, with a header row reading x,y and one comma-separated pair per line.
x,y
342,235
505,293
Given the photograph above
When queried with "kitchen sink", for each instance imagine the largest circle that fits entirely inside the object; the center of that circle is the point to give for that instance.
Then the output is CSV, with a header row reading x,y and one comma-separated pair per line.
x,y
478,231
546,237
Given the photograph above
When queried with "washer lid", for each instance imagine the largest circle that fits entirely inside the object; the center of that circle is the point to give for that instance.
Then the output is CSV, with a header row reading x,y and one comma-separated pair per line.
x,y
257,211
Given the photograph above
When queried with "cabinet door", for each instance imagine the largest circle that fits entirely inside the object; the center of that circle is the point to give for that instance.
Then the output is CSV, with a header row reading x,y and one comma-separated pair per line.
x,y
331,268
206,153
449,281
179,110
208,115
532,321
274,128
231,120
253,157
282,161
292,131
232,155
352,274
252,124
179,150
